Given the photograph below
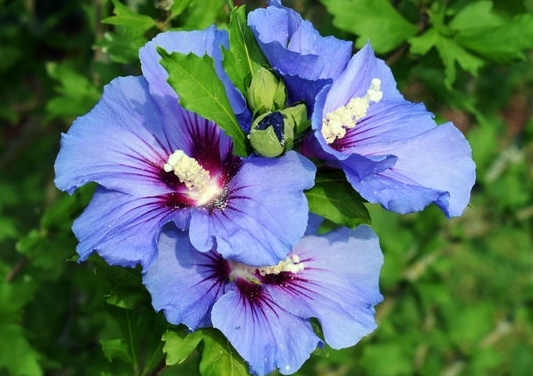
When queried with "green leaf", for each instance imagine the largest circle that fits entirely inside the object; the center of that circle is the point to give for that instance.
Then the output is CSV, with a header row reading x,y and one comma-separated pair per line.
x,y
202,13
76,95
17,356
503,43
124,42
476,15
178,7
140,341
449,51
376,20
334,198
13,297
244,58
127,290
179,345
219,357
201,91
122,46
124,16
116,349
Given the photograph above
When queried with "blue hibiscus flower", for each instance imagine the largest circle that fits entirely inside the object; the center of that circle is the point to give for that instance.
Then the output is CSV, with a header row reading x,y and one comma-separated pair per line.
x,y
155,163
391,150
262,310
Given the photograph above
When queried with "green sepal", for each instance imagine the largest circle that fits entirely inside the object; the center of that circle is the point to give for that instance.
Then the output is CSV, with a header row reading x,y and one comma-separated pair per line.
x,y
200,90
266,93
297,114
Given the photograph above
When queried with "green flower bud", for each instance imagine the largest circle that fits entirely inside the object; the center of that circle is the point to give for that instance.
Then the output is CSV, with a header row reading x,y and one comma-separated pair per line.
x,y
271,134
297,117
266,92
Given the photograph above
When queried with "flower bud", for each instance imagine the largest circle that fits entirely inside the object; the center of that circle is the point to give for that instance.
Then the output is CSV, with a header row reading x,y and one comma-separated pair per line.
x,y
266,92
297,117
272,134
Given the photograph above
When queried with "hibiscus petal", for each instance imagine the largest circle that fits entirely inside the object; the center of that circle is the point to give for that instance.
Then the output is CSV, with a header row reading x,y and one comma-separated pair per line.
x,y
386,122
356,79
435,166
306,60
265,335
266,211
121,143
121,228
339,284
183,282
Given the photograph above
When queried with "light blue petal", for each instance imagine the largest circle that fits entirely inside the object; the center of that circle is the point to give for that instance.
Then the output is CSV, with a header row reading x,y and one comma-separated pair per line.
x,y
121,143
183,282
121,228
355,80
386,122
339,284
266,211
435,166
264,334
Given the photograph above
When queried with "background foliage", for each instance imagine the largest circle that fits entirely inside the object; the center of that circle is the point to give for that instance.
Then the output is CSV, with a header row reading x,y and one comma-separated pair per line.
x,y
458,293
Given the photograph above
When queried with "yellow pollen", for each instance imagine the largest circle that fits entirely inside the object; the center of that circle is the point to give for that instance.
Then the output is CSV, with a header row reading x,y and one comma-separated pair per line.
x,y
197,179
337,122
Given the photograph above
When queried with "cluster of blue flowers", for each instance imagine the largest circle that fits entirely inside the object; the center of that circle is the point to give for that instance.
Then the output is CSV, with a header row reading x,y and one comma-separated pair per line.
x,y
228,241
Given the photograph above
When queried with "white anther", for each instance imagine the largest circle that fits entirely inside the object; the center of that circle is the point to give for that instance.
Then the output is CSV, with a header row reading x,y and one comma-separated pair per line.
x,y
194,176
337,122
292,265
187,169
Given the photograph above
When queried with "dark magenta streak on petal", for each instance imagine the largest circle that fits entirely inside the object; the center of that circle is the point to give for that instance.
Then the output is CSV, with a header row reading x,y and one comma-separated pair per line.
x,y
219,271
221,268
231,166
254,295
204,142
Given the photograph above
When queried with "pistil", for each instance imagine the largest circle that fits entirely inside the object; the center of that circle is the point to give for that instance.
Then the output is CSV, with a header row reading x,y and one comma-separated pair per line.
x,y
198,180
337,122
292,265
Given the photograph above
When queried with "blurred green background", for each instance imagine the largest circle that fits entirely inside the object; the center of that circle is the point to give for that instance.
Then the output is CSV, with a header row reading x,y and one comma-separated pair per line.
x,y
458,293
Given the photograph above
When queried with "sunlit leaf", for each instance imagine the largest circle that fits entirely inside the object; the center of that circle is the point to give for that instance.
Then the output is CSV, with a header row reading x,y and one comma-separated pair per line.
x,y
244,57
179,345
201,91
219,357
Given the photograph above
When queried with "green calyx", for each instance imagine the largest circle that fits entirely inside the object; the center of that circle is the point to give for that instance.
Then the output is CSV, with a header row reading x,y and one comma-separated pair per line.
x,y
266,92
